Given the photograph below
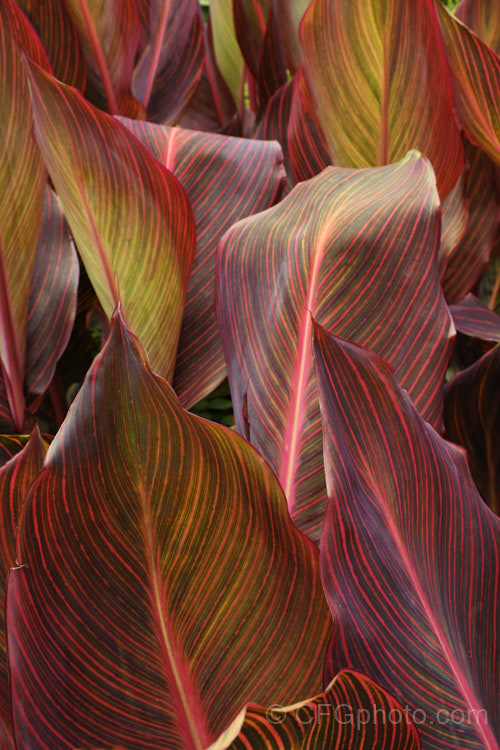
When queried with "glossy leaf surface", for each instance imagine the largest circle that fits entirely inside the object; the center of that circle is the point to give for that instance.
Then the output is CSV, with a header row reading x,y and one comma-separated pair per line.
x,y
475,71
374,103
161,545
410,554
472,317
352,712
472,419
225,179
326,251
130,217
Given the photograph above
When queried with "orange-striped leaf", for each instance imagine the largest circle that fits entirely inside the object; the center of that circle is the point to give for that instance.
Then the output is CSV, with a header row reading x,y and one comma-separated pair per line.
x,y
171,66
16,475
352,713
374,102
357,250
410,554
22,185
483,18
163,585
475,71
472,419
130,217
210,168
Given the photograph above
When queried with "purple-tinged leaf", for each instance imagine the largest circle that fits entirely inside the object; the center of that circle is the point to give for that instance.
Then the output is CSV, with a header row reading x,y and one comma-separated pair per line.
x,y
290,13
110,32
454,216
472,419
59,38
53,293
410,554
274,123
22,185
225,179
472,317
357,250
171,66
16,476
130,217
373,101
11,445
168,560
475,71
272,66
483,17
466,261
307,146
352,713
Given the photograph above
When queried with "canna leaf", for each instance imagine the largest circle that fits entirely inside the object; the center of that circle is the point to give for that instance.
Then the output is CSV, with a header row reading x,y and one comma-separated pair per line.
x,y
161,545
290,13
16,475
483,19
373,101
171,66
227,53
130,217
352,712
22,185
410,554
475,70
472,317
225,179
356,249
274,123
306,141
472,419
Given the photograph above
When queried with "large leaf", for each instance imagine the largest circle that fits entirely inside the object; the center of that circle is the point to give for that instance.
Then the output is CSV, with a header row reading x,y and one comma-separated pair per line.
x,y
274,123
352,712
475,70
22,184
374,102
483,18
160,545
172,63
110,32
410,554
472,419
16,476
290,14
130,217
210,168
226,49
472,317
357,250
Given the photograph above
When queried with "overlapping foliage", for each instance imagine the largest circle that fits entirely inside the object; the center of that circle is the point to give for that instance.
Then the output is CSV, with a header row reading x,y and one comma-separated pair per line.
x,y
302,196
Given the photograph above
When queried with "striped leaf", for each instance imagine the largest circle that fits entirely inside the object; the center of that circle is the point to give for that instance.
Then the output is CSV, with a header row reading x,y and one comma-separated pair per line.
x,y
227,52
130,217
454,217
161,545
475,71
110,33
210,168
472,419
374,103
59,38
171,66
273,126
483,18
306,141
352,713
22,185
16,475
467,258
11,445
326,250
472,317
290,13
410,554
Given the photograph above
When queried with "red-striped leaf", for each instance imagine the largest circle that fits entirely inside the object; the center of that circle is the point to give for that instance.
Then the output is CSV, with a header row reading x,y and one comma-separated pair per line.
x,y
59,38
467,259
374,103
410,554
475,71
110,33
130,217
161,545
357,250
454,216
290,13
11,445
210,168
472,317
172,64
52,303
15,478
226,49
483,18
472,419
22,184
274,123
352,713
